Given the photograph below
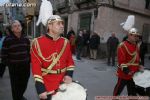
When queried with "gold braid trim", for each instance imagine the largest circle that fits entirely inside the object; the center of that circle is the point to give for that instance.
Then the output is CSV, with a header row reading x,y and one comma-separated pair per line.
x,y
33,44
47,59
132,54
57,58
38,76
70,68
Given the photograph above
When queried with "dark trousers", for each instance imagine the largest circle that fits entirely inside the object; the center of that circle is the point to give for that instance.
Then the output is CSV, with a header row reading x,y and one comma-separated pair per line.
x,y
142,59
78,53
121,84
19,75
111,56
2,69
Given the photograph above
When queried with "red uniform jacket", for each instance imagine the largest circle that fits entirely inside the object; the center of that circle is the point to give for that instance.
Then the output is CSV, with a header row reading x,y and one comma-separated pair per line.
x,y
128,56
43,52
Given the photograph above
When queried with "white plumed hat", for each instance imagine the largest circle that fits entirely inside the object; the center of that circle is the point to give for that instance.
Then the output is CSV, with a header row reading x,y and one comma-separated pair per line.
x,y
129,23
46,13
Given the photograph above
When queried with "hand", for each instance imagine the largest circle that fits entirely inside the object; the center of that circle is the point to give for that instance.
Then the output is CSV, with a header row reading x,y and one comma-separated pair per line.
x,y
67,79
43,95
141,68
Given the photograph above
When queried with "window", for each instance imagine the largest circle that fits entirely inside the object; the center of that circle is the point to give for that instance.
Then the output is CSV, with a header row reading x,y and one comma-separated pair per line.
x,y
85,21
147,4
146,33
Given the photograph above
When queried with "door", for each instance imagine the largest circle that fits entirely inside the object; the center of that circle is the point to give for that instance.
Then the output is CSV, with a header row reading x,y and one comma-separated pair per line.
x,y
85,21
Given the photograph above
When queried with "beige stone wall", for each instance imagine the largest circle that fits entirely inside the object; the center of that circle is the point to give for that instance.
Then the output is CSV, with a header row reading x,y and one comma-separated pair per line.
x,y
109,20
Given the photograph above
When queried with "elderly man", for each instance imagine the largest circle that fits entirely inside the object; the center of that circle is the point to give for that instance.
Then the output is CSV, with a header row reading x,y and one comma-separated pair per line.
x,y
16,55
112,44
51,58
128,63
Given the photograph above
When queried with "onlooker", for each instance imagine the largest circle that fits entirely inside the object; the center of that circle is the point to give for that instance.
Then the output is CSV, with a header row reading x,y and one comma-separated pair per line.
x,y
1,39
86,37
2,66
143,49
79,45
94,44
112,44
72,43
16,55
71,31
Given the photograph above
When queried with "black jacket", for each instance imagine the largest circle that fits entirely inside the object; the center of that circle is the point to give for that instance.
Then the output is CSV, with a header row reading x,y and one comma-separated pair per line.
x,y
94,41
15,50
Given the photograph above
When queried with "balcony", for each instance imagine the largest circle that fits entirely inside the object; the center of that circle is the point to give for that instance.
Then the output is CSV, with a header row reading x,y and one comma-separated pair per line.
x,y
79,3
62,6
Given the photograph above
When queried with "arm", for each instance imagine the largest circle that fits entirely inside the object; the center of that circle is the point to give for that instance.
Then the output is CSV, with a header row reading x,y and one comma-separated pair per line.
x,y
36,69
4,52
122,59
70,65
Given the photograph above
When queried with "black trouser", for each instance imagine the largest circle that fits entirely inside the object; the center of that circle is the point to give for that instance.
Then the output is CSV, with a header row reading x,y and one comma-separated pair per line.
x,y
78,54
121,84
111,55
19,75
2,69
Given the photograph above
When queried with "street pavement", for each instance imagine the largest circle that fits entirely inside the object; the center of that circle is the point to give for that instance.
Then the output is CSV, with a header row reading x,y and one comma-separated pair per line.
x,y
98,78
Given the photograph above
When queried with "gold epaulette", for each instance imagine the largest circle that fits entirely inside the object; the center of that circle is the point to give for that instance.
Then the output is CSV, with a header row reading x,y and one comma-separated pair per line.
x,y
35,39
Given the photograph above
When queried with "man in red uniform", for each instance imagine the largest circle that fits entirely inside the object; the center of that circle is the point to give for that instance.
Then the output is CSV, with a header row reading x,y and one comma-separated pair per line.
x,y
128,64
51,58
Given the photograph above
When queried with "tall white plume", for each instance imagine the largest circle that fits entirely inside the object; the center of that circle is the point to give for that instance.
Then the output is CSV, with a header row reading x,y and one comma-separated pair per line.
x,y
46,11
129,23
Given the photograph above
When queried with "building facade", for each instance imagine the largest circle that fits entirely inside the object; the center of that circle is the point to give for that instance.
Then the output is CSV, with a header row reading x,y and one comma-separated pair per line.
x,y
105,16
4,17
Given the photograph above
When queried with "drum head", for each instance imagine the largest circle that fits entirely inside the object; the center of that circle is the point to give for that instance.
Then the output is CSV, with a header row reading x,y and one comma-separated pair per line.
x,y
72,91
142,78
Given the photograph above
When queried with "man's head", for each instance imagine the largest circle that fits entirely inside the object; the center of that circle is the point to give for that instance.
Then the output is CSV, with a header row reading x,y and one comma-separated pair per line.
x,y
133,35
84,31
55,25
113,34
16,27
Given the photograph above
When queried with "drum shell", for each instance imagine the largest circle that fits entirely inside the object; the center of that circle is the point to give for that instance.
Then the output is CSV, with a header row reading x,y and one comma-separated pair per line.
x,y
73,91
143,91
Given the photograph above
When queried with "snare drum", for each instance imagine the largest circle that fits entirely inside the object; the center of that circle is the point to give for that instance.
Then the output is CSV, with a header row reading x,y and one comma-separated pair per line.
x,y
142,82
72,91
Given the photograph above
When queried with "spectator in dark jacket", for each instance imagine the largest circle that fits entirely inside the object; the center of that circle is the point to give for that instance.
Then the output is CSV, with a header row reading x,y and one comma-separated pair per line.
x,y
71,31
16,55
3,66
94,44
143,49
79,45
112,44
86,37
